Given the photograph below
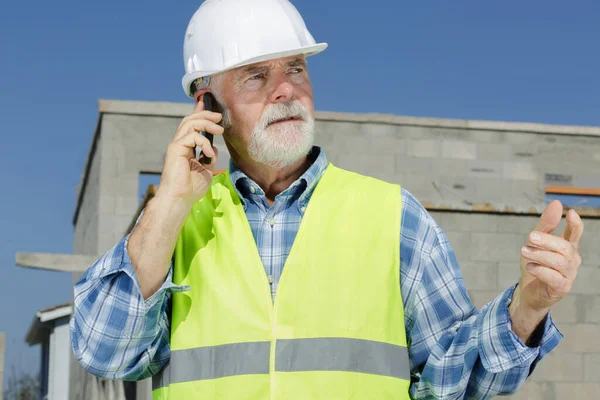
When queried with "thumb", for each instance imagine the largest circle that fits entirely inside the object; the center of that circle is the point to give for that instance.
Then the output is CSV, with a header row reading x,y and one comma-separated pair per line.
x,y
550,218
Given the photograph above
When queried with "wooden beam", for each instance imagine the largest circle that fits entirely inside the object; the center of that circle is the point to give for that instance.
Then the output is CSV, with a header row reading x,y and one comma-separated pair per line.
x,y
572,190
485,208
55,262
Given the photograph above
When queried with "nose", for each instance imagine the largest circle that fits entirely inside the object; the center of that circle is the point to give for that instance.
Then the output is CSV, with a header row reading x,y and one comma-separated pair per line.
x,y
284,90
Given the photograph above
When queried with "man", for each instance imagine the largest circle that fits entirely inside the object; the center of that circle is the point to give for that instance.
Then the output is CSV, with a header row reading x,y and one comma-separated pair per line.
x,y
371,303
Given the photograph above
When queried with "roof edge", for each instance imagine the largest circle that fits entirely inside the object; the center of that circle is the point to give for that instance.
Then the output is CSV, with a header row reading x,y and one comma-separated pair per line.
x,y
83,178
182,109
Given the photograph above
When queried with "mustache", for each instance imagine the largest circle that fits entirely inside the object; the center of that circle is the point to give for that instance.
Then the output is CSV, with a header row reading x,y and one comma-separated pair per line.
x,y
285,110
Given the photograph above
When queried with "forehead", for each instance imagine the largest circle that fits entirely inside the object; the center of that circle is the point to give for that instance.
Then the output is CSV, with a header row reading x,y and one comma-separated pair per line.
x,y
278,62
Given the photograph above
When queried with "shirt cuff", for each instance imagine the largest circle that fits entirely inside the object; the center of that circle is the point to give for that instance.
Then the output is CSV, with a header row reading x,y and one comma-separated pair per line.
x,y
500,348
117,261
167,286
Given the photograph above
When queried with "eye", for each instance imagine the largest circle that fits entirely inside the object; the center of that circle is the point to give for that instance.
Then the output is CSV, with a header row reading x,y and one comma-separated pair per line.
x,y
296,70
257,77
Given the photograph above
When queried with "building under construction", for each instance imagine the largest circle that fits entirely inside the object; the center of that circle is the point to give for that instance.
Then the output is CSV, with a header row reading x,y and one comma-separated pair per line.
x,y
484,182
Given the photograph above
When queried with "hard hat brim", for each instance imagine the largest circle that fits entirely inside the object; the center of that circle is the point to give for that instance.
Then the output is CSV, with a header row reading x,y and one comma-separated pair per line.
x,y
306,50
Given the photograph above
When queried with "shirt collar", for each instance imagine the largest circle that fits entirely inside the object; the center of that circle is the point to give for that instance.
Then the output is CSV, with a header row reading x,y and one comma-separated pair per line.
x,y
305,183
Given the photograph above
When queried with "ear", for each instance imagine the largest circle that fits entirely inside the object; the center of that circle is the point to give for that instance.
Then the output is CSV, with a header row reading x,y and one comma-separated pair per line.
x,y
199,95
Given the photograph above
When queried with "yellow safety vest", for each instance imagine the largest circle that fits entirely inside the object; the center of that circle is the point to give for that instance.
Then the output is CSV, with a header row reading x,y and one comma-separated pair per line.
x,y
335,329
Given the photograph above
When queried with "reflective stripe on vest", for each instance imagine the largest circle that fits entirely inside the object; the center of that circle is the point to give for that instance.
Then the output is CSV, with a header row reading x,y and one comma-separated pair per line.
x,y
291,355
335,330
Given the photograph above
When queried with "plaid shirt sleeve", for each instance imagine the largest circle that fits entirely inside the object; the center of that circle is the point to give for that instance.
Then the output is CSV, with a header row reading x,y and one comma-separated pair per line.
x,y
115,333
456,352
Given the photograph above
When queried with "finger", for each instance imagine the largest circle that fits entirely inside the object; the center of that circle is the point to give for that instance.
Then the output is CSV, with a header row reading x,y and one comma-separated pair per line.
x,y
550,259
200,166
213,159
555,281
199,97
574,229
546,241
194,139
550,218
208,115
199,125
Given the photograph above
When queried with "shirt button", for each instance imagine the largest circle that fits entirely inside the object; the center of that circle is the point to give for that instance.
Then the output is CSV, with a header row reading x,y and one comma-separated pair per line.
x,y
303,209
252,189
271,221
271,279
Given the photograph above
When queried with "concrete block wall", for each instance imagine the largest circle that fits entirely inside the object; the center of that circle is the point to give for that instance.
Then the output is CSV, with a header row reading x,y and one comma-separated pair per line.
x,y
458,165
487,248
444,163
86,224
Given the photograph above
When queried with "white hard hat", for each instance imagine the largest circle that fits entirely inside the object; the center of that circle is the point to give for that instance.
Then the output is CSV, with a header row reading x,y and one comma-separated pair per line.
x,y
226,34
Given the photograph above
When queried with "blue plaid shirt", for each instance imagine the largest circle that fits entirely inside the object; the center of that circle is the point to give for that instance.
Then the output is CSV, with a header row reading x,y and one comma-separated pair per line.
x,y
455,351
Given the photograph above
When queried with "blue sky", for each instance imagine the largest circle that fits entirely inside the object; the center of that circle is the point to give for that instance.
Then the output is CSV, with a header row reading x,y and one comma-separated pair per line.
x,y
534,61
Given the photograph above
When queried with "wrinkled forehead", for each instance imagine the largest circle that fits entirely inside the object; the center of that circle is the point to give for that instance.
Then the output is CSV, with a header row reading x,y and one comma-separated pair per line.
x,y
291,61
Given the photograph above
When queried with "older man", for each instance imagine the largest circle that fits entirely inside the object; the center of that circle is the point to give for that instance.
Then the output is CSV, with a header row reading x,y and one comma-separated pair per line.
x,y
371,303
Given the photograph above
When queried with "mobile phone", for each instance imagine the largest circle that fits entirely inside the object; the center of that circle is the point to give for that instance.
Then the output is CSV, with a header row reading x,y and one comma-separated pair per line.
x,y
209,104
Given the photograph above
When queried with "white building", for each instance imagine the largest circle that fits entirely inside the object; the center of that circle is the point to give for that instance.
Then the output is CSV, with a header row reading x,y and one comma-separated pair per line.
x,y
50,328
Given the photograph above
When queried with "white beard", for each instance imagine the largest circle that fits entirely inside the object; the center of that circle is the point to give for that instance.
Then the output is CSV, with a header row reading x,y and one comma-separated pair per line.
x,y
282,144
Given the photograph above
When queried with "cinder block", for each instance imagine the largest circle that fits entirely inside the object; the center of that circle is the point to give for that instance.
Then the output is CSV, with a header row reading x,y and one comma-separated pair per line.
x,y
381,167
467,222
481,298
430,148
461,244
454,189
461,149
447,167
383,139
480,276
576,391
532,390
490,190
591,230
347,137
516,223
485,136
588,280
526,194
580,338
420,186
589,309
589,181
484,169
588,245
493,151
520,170
523,153
509,274
323,134
417,132
591,366
496,247
406,164
521,138
565,311
559,366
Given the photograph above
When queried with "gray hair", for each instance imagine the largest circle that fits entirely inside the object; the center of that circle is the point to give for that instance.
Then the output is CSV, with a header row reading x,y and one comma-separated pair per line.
x,y
216,88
